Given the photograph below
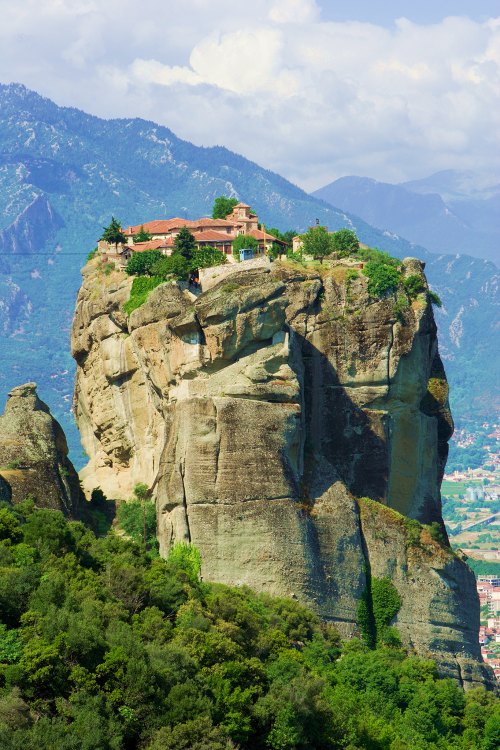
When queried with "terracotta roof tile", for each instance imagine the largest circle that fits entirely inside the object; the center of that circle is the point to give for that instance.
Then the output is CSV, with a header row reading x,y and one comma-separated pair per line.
x,y
259,235
160,226
140,247
210,235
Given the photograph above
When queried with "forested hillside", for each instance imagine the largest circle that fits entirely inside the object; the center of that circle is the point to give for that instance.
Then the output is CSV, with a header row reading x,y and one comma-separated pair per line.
x,y
105,645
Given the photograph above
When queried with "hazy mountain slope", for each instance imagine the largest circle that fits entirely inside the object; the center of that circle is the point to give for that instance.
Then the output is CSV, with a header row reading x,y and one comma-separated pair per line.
x,y
445,222
455,184
63,173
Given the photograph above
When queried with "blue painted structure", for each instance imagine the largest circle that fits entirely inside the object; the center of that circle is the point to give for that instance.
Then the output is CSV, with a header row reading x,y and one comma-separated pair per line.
x,y
246,253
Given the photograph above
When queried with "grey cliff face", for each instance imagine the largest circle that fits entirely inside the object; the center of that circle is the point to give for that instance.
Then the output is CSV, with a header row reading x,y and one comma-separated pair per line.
x,y
259,414
34,455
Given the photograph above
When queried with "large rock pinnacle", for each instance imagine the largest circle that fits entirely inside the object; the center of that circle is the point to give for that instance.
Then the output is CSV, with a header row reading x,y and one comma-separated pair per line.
x,y
34,455
260,415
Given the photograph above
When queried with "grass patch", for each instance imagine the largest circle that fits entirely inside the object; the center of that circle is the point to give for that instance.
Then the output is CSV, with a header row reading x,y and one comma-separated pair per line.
x,y
401,304
438,389
141,287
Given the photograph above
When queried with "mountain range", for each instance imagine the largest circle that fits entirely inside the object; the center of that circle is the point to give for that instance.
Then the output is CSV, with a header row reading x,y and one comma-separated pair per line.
x,y
63,173
448,212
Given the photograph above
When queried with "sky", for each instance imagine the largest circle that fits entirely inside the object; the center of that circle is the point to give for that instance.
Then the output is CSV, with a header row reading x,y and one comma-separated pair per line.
x,y
312,89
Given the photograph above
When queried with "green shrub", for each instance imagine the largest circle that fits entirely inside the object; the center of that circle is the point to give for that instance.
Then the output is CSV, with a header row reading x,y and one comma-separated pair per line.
x,y
244,241
379,603
141,287
374,254
206,257
414,285
10,527
10,646
344,242
295,257
186,557
365,620
107,268
92,254
401,304
383,278
141,264
434,298
17,464
131,516
386,603
351,274
436,532
413,529
173,266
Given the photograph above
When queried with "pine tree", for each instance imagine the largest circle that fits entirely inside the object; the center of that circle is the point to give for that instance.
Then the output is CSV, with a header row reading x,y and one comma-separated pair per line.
x,y
142,235
113,233
185,244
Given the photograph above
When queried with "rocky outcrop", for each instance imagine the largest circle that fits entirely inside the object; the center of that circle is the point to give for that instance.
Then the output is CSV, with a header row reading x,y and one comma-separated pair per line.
x,y
259,414
439,611
34,455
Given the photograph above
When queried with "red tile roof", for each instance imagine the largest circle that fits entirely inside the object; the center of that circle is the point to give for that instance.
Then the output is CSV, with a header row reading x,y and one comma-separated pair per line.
x,y
160,226
140,247
164,226
209,235
208,222
260,235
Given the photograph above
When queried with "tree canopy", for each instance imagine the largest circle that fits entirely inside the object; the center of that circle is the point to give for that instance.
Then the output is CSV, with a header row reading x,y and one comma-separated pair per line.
x,y
383,278
113,232
106,646
185,244
317,242
345,242
206,256
142,235
141,264
223,206
174,265
244,241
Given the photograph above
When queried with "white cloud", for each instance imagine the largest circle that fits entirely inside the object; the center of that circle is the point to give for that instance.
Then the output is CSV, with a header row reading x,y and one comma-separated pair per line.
x,y
293,11
151,71
311,99
242,61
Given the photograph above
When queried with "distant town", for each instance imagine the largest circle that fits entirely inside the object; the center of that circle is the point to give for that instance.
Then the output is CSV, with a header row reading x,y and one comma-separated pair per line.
x,y
488,589
471,494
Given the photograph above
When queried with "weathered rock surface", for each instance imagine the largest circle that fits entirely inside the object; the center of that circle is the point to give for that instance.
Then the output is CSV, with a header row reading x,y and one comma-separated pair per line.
x,y
259,414
34,455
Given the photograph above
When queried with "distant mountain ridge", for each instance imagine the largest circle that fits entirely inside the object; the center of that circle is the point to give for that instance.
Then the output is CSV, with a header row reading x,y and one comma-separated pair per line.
x,y
445,212
63,173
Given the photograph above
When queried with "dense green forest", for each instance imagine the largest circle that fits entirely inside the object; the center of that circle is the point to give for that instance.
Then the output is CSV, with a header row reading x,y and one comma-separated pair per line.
x,y
104,646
